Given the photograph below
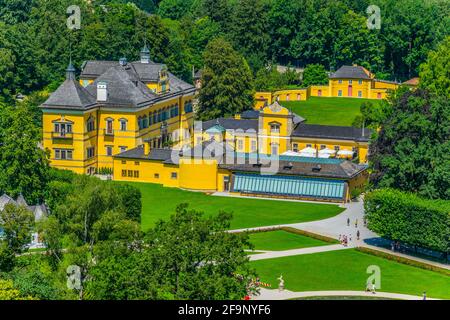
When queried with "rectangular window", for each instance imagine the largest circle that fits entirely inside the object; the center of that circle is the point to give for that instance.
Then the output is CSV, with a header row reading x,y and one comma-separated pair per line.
x,y
295,147
123,125
174,175
274,149
109,151
136,163
359,81
340,93
254,146
124,173
339,81
69,154
90,125
57,127
124,162
136,174
130,173
90,152
337,148
309,145
359,94
240,144
57,154
156,175
122,149
350,81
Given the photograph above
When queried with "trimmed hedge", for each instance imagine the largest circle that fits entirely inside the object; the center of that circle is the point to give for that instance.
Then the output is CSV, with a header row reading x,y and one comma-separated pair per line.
x,y
310,234
407,218
296,231
403,260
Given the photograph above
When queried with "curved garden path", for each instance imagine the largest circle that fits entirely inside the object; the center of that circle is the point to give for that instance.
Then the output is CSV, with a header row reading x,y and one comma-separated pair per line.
x,y
266,294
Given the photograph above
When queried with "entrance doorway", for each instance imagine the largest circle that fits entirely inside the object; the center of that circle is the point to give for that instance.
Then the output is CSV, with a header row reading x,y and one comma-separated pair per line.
x,y
226,183
350,91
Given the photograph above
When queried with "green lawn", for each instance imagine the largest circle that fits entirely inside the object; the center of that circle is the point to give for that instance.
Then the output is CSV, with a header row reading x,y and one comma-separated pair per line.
x,y
346,270
328,111
160,203
282,240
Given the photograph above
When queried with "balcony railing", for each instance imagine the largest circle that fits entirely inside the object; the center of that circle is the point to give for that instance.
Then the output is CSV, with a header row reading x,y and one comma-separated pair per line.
x,y
62,135
108,132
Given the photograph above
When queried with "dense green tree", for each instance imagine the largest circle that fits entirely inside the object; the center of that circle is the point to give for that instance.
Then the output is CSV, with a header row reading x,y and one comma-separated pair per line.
x,y
131,200
17,223
219,11
201,32
174,9
314,74
227,84
372,115
412,150
52,236
33,282
435,72
8,292
187,257
7,257
23,165
14,11
249,32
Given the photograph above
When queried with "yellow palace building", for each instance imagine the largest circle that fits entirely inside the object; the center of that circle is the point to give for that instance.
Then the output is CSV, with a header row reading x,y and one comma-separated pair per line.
x,y
348,81
116,106
137,120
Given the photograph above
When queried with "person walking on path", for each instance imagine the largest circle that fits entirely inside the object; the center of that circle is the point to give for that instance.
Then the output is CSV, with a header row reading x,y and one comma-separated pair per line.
x,y
357,235
348,222
356,223
424,295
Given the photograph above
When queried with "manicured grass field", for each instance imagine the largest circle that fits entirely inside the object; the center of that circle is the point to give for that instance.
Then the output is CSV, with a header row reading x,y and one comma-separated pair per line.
x,y
282,240
346,270
160,203
328,111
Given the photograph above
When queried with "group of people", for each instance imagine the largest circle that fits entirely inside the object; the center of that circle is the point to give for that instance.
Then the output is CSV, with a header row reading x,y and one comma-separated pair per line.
x,y
344,240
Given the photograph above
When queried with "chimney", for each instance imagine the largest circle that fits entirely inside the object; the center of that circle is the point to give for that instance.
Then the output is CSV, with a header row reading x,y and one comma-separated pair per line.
x,y
102,92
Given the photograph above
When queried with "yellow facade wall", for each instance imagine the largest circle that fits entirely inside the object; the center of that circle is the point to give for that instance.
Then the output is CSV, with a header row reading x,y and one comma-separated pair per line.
x,y
198,174
291,95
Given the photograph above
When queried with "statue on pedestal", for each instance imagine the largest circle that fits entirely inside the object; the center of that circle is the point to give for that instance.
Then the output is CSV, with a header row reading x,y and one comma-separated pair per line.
x,y
281,284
